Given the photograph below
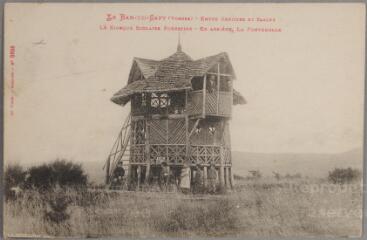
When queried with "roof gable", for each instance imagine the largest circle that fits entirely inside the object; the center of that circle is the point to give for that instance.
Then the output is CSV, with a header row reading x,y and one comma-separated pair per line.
x,y
203,65
178,66
146,67
170,74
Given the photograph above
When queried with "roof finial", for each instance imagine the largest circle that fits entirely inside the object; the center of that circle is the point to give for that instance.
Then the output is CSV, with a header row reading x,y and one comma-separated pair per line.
x,y
179,48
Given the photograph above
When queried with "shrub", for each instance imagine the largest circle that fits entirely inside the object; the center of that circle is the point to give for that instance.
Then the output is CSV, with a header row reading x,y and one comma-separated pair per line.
x,y
40,177
61,172
66,173
344,175
13,177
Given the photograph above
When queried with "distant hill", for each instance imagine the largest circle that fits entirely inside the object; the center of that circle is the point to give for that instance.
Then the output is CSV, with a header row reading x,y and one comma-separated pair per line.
x,y
308,164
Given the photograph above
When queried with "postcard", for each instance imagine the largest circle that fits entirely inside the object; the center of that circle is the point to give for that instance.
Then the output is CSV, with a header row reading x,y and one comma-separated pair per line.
x,y
183,120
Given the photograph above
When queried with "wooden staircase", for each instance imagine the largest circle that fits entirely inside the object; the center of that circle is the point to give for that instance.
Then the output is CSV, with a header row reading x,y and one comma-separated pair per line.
x,y
120,151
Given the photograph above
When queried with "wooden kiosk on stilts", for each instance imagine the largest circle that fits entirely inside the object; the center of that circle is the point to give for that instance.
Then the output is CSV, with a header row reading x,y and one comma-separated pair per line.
x,y
180,112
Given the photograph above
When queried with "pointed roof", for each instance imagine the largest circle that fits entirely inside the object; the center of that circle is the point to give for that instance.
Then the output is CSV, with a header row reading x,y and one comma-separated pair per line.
x,y
147,66
179,47
169,74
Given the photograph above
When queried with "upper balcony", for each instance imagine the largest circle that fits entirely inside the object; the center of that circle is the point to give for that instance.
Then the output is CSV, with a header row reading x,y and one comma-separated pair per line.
x,y
204,103
212,95
159,104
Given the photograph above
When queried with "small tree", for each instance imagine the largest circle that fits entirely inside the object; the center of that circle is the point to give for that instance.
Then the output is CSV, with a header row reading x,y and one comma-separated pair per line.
x,y
40,177
66,173
61,172
344,175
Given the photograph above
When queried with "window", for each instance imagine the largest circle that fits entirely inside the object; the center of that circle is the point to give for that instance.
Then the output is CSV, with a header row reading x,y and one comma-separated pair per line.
x,y
164,100
160,100
155,100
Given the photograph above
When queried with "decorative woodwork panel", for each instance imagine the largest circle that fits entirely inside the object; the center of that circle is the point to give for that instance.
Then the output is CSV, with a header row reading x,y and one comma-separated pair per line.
x,y
176,154
195,103
158,154
211,103
213,155
172,154
158,131
176,131
137,154
163,131
204,155
138,132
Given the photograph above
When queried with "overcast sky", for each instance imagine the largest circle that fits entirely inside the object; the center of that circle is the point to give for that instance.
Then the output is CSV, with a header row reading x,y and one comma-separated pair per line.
x,y
304,85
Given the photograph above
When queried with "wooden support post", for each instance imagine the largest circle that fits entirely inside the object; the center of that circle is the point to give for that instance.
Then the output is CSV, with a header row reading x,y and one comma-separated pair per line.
x,y
227,178
129,175
205,176
147,174
139,175
231,181
168,179
221,168
204,96
230,157
191,177
221,176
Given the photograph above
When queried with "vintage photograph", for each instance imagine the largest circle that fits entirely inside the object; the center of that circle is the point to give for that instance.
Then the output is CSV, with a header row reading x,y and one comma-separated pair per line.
x,y
183,120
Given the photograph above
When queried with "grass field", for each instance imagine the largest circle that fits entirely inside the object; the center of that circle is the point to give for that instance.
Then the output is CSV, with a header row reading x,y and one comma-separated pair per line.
x,y
261,208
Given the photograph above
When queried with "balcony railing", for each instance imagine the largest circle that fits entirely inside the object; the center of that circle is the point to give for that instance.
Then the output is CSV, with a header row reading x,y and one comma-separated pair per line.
x,y
175,154
216,103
